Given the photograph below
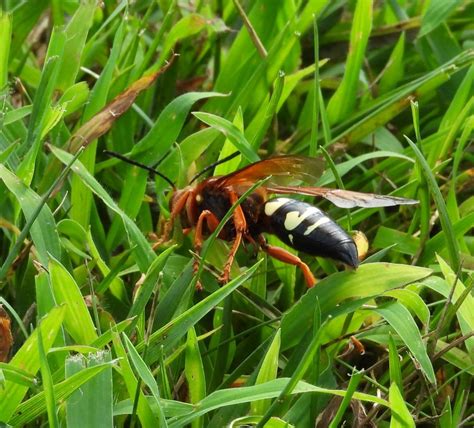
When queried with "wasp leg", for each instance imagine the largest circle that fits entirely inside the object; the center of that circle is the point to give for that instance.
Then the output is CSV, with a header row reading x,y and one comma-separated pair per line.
x,y
212,222
178,207
240,224
286,257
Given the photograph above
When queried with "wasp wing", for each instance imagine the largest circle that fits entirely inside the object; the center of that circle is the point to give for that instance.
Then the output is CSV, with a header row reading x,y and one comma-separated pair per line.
x,y
344,198
282,169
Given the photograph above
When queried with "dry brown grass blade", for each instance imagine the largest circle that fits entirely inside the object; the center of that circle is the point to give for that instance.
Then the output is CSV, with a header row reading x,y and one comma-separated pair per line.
x,y
103,121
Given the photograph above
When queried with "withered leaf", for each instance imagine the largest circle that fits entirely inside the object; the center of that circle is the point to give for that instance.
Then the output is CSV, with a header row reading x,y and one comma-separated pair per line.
x,y
103,121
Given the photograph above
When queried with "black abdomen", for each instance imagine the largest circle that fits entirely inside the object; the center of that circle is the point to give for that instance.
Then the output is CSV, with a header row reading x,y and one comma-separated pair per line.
x,y
310,230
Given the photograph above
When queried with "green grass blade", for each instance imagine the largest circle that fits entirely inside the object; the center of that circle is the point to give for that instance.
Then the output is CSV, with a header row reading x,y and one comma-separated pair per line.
x,y
401,320
394,364
413,302
394,69
313,145
80,194
145,374
166,130
194,372
149,284
228,148
144,254
438,11
143,408
268,390
24,18
231,132
76,33
167,335
302,367
400,414
440,205
268,371
43,97
459,101
269,112
343,102
353,384
47,382
27,358
31,409
465,311
345,285
78,321
40,221
5,42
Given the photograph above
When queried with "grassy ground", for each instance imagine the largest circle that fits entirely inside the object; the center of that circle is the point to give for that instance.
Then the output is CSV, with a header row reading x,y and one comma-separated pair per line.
x,y
108,331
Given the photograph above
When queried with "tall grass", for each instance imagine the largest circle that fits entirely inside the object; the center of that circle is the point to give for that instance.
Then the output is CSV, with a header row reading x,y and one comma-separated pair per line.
x,y
107,327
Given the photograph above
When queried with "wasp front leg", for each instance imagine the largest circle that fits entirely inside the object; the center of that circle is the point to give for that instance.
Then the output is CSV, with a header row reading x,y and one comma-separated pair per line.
x,y
286,257
181,204
240,224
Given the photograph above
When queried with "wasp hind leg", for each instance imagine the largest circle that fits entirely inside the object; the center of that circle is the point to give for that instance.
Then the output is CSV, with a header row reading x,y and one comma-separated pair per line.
x,y
286,257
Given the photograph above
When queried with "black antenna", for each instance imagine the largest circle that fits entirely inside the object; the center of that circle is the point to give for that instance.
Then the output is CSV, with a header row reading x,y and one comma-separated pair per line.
x,y
140,165
212,165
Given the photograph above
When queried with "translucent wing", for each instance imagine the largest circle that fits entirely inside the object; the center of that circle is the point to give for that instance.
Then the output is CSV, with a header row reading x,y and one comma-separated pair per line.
x,y
282,169
344,198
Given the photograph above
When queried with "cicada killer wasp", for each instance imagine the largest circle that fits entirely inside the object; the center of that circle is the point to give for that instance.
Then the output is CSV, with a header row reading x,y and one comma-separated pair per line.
x,y
298,224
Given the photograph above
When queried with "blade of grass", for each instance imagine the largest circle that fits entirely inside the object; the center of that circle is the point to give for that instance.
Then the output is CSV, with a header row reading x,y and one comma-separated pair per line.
x,y
167,335
423,191
401,416
440,205
303,366
338,179
80,196
143,408
395,67
43,233
78,321
251,30
149,284
268,390
47,382
76,33
41,103
267,372
332,290
270,111
231,132
401,320
384,108
228,149
143,254
351,388
452,204
438,11
27,358
394,364
195,374
462,300
313,145
145,374
34,407
343,102
5,42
